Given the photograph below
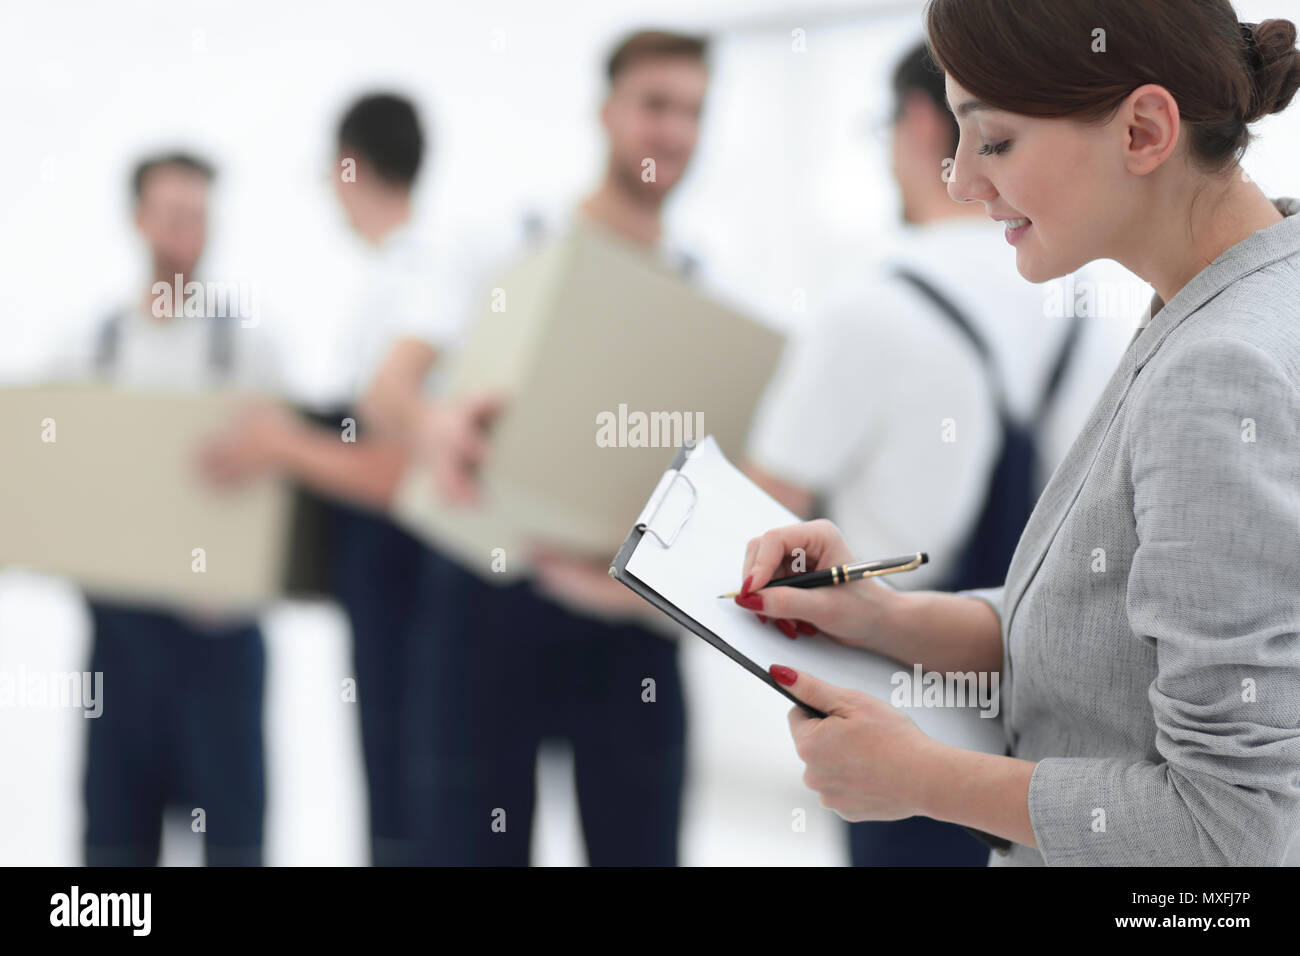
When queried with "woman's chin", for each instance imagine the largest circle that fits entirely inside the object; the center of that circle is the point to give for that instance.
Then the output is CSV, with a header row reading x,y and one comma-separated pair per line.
x,y
1033,269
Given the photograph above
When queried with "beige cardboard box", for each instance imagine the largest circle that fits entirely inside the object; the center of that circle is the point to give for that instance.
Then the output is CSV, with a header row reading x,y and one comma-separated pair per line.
x,y
101,485
612,362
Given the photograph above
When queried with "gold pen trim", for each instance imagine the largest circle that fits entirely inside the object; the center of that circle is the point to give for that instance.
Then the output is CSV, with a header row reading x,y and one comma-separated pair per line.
x,y
843,573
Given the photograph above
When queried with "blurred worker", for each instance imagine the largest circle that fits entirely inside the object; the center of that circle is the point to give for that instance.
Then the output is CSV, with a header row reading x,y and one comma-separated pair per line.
x,y
376,568
509,666
915,470
182,723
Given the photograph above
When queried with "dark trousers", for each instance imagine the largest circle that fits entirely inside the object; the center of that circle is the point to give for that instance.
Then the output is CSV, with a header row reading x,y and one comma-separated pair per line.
x,y
378,572
916,841
181,726
504,668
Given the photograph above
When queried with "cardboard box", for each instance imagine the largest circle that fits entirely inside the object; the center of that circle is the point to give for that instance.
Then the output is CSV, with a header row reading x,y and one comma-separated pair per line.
x,y
101,486
612,361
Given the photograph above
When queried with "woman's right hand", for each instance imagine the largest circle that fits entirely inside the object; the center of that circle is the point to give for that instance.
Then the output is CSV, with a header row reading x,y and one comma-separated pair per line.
x,y
850,613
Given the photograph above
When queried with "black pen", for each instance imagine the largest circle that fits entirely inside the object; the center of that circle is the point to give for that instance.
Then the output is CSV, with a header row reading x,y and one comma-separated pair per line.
x,y
844,573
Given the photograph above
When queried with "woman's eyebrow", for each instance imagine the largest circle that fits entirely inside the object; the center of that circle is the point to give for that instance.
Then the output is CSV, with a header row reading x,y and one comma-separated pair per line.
x,y
966,107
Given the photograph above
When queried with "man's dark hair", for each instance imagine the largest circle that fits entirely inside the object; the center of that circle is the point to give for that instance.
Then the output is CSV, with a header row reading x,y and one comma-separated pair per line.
x,y
654,44
918,71
182,160
383,129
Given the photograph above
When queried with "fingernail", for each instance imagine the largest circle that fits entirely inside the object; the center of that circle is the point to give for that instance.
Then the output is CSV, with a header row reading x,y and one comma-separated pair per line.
x,y
783,675
762,619
786,628
805,628
744,588
751,602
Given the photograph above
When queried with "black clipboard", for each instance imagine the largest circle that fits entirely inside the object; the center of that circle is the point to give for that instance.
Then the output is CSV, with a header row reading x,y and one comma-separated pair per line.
x,y
619,572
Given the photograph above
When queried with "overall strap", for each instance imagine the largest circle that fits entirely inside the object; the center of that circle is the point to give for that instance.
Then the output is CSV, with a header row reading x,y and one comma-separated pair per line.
x,y
221,345
108,337
1059,367
967,328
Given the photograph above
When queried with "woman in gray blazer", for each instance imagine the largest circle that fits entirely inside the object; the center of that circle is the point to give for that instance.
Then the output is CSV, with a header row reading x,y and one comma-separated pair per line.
x,y
1147,639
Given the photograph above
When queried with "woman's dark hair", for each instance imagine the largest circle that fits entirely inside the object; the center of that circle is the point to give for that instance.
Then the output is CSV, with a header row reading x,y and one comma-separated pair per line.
x,y
1082,58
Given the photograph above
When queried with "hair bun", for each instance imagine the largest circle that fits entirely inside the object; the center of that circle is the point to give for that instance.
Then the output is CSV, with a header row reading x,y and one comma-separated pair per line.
x,y
1275,66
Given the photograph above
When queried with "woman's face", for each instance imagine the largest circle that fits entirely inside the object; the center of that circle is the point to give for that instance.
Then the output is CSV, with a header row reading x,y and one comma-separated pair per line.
x,y
1057,183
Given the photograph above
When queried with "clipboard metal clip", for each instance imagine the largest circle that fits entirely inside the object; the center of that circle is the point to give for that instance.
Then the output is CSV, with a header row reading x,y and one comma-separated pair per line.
x,y
685,518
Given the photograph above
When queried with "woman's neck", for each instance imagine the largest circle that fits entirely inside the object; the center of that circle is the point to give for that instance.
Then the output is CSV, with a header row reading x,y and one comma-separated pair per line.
x,y
1178,239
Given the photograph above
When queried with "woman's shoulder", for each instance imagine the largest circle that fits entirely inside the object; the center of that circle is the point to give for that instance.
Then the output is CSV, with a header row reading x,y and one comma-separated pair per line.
x,y
1256,320
1229,367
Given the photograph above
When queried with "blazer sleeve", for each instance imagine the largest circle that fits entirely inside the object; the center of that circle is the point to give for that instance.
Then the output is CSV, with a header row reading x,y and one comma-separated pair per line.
x,y
1214,585
996,599
993,597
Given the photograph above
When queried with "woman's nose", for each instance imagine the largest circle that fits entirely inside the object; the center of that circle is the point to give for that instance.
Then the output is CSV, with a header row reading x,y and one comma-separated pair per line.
x,y
964,186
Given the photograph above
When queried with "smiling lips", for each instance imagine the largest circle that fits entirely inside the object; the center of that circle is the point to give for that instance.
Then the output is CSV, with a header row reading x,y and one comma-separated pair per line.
x,y
1016,228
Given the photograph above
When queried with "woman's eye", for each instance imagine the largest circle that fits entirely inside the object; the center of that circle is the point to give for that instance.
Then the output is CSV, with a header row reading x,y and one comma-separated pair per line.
x,y
996,150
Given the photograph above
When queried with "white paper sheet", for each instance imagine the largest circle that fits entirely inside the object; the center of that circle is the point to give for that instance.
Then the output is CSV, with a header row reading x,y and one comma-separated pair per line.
x,y
706,559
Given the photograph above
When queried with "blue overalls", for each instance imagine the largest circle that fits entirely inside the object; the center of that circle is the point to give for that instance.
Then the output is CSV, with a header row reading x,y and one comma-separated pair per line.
x,y
503,668
376,572
182,717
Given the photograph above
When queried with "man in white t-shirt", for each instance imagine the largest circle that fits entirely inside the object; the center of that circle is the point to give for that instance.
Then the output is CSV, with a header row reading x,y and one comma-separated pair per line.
x,y
903,461
183,723
376,568
509,665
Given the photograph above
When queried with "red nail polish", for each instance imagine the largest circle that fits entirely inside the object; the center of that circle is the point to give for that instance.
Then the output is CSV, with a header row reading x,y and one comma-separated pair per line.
x,y
783,675
744,588
762,619
805,628
787,628
751,602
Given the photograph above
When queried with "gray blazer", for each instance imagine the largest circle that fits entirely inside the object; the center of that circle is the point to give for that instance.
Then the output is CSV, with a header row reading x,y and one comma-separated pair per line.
x,y
1151,614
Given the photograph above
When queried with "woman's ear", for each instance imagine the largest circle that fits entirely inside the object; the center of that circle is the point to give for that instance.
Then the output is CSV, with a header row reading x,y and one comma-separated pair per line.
x,y
1151,123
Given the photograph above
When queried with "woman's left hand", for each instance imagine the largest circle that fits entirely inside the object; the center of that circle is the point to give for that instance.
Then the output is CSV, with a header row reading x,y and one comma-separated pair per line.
x,y
867,760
